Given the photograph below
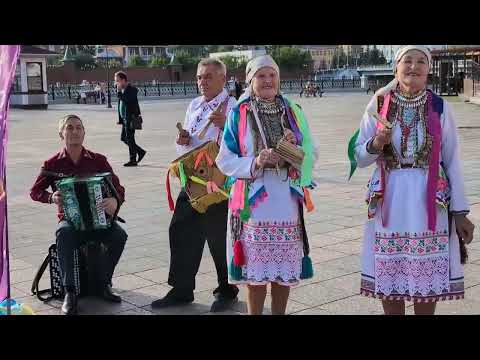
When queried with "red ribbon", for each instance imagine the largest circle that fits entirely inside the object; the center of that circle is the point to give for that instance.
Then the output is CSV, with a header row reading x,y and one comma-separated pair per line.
x,y
171,204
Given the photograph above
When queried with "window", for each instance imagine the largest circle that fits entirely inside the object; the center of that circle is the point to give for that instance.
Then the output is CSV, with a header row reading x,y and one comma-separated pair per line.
x,y
133,51
159,51
147,51
34,76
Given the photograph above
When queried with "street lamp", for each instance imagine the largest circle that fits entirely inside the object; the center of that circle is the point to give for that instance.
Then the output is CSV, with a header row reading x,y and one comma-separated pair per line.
x,y
109,99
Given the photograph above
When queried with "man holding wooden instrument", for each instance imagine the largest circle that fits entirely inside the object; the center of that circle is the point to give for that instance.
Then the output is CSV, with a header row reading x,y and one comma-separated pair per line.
x,y
204,121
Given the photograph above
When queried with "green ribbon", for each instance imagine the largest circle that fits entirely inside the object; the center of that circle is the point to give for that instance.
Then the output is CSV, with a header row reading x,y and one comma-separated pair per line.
x,y
183,177
307,147
351,153
245,213
204,183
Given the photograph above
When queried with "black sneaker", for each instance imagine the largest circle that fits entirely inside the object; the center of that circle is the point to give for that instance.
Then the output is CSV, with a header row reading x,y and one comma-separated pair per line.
x,y
130,163
172,299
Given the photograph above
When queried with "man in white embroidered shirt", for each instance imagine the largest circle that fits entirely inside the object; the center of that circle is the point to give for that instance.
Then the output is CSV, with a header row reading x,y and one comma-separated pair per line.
x,y
188,228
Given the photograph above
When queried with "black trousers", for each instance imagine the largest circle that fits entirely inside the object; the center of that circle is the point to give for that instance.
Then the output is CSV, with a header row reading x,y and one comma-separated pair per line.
x,y
188,232
68,240
128,137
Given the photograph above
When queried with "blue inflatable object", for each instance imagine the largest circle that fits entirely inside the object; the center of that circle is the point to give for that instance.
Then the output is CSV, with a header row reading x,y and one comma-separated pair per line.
x,y
15,308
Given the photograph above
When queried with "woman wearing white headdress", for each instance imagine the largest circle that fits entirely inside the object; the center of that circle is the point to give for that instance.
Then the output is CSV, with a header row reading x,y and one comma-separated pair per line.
x,y
416,197
267,241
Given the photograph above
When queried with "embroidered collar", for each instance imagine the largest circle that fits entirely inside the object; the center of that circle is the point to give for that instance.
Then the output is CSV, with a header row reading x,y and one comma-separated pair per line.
x,y
212,103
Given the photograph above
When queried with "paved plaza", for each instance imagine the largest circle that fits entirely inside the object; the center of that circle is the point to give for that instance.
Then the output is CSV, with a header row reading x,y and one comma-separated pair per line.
x,y
335,227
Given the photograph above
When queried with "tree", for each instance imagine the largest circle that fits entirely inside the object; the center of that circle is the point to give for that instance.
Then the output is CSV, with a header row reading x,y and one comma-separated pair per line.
x,y
339,59
372,57
186,59
86,49
234,62
84,61
158,61
136,60
54,60
290,58
112,63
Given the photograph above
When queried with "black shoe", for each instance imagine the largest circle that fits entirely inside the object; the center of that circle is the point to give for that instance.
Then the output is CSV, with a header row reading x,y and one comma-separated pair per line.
x,y
141,156
69,306
172,299
222,303
130,163
109,295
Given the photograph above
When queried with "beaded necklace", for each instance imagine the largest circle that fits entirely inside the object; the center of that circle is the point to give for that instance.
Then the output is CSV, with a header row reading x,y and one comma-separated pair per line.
x,y
410,114
271,114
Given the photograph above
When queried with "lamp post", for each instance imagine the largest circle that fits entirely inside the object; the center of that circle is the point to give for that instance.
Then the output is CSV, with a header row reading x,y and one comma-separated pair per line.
x,y
109,99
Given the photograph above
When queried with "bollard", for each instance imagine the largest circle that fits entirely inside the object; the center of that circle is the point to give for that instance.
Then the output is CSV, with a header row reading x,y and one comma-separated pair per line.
x,y
184,89
158,89
171,88
69,93
53,92
145,89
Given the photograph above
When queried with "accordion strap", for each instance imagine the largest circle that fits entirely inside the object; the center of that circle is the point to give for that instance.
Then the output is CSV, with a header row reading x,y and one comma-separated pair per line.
x,y
36,281
54,174
108,180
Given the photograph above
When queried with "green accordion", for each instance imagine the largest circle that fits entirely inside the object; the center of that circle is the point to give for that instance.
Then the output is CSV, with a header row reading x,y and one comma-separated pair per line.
x,y
82,198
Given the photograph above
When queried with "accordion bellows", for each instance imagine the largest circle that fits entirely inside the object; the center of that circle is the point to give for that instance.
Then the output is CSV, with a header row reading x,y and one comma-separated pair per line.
x,y
81,199
199,163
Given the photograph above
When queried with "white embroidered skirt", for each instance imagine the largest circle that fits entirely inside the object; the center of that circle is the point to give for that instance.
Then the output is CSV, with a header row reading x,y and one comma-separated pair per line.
x,y
272,238
403,260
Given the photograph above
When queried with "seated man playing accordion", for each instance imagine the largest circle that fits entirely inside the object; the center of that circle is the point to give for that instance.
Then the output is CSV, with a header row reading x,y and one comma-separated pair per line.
x,y
75,160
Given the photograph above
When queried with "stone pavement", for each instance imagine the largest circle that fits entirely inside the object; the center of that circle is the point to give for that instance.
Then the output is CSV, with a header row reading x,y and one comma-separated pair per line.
x,y
335,228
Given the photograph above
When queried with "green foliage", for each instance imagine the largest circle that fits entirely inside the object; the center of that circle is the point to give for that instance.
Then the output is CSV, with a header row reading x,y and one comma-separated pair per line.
x,y
54,60
136,60
234,62
185,58
84,61
290,58
112,63
86,49
158,61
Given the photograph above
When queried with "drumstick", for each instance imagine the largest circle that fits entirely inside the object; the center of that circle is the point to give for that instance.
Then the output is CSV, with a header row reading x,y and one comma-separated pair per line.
x,y
204,130
384,122
181,130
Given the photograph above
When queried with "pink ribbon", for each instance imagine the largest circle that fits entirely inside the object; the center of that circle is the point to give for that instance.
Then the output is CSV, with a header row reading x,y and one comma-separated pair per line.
x,y
434,130
383,175
212,187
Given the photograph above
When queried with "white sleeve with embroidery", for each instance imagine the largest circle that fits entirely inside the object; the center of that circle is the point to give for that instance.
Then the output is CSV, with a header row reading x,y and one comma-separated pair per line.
x,y
182,149
368,130
451,160
234,165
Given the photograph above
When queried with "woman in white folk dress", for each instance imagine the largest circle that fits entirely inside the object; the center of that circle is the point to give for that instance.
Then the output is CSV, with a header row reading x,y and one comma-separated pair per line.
x,y
267,239
417,228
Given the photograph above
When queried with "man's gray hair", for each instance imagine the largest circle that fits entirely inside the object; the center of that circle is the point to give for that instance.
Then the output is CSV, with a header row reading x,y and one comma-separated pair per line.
x,y
212,61
63,121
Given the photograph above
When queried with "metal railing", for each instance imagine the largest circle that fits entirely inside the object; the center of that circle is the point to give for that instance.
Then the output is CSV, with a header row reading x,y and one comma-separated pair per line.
x,y
70,92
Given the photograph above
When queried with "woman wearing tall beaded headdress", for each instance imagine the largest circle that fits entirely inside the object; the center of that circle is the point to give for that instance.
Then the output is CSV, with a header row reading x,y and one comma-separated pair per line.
x,y
414,240
266,241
